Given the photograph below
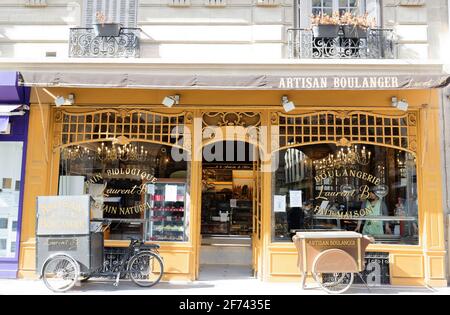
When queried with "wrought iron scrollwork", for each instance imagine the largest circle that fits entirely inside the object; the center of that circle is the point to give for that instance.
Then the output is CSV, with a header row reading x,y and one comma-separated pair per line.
x,y
379,44
83,43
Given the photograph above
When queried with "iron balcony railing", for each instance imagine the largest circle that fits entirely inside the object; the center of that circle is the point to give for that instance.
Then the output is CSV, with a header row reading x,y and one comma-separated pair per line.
x,y
376,44
83,43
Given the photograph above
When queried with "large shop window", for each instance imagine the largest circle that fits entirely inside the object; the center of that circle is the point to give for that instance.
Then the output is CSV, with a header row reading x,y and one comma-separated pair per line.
x,y
353,171
141,187
365,188
10,175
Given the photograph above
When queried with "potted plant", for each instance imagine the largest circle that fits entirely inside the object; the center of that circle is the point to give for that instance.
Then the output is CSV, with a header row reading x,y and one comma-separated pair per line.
x,y
356,27
105,29
324,25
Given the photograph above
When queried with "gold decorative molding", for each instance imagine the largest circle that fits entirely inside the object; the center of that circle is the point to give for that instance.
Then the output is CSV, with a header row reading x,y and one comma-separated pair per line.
x,y
58,116
221,119
343,142
343,115
274,118
189,118
412,119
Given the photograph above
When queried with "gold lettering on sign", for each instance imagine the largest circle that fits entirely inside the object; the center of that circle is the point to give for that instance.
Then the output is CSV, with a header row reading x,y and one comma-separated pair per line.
x,y
332,243
132,190
348,173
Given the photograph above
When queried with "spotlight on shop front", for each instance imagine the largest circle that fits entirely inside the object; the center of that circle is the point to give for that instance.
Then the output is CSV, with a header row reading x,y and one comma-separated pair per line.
x,y
287,105
400,104
61,100
169,101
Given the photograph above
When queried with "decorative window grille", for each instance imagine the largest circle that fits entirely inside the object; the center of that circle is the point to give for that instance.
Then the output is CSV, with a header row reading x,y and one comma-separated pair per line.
x,y
108,125
343,128
115,11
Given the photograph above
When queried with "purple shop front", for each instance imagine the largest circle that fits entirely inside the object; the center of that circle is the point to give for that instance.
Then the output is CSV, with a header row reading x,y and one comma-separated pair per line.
x,y
14,99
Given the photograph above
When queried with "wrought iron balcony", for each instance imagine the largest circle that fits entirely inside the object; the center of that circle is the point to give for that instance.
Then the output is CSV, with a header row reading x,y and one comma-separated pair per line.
x,y
83,43
376,44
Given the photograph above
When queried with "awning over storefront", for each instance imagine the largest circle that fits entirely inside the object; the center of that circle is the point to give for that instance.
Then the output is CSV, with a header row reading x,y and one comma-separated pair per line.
x,y
12,90
232,82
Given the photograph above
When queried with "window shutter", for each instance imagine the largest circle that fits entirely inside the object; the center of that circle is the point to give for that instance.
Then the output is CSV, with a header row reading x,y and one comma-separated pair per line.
x,y
374,10
304,11
117,11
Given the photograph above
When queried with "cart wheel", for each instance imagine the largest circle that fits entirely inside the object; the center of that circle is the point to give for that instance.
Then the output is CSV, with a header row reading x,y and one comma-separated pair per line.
x,y
146,269
334,282
60,273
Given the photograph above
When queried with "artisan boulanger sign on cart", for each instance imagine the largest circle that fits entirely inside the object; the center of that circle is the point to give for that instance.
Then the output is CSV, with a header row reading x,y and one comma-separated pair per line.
x,y
332,257
70,246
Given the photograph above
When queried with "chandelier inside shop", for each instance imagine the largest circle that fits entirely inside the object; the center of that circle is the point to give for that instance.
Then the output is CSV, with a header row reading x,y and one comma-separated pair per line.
x,y
104,153
344,158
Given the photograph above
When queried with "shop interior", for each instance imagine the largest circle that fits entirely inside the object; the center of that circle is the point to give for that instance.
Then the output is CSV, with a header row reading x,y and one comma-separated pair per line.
x,y
137,186
227,204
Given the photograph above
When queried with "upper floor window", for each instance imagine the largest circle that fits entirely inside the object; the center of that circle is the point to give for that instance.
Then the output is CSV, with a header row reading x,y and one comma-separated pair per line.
x,y
114,11
305,8
330,6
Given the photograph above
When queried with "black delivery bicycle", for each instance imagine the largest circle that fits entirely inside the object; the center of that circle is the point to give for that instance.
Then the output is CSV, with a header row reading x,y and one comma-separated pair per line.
x,y
141,262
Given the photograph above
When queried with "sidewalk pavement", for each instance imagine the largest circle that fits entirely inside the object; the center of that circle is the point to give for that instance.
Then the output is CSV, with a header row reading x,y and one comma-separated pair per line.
x,y
240,286
214,280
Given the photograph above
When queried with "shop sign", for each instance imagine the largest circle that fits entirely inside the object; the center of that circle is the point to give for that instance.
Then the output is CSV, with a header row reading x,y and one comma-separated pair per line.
x,y
107,192
359,82
62,244
63,215
370,82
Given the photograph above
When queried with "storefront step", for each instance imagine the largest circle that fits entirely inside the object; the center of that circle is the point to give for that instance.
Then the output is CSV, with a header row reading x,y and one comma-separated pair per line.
x,y
225,272
226,240
227,254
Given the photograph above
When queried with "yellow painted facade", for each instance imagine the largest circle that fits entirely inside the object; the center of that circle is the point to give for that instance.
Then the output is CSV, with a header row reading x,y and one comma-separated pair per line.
x,y
409,265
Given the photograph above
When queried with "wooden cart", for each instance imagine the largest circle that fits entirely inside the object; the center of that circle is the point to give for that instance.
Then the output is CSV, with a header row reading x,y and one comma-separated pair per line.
x,y
332,257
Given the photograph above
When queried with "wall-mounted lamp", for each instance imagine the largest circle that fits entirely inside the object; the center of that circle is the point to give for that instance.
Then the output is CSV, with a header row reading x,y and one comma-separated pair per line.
x,y
171,100
400,104
61,100
287,105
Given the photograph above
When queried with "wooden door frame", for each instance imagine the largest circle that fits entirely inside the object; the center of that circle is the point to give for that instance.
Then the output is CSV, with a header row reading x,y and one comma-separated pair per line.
x,y
197,169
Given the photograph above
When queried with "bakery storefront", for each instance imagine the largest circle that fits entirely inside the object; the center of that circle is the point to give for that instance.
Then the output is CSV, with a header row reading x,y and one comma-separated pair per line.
x,y
226,178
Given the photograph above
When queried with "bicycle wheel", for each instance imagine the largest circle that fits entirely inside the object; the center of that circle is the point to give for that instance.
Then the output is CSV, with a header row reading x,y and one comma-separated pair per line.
x,y
60,273
146,269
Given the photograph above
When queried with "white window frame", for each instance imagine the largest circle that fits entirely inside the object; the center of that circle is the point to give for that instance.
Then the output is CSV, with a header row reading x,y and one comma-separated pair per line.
x,y
303,11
